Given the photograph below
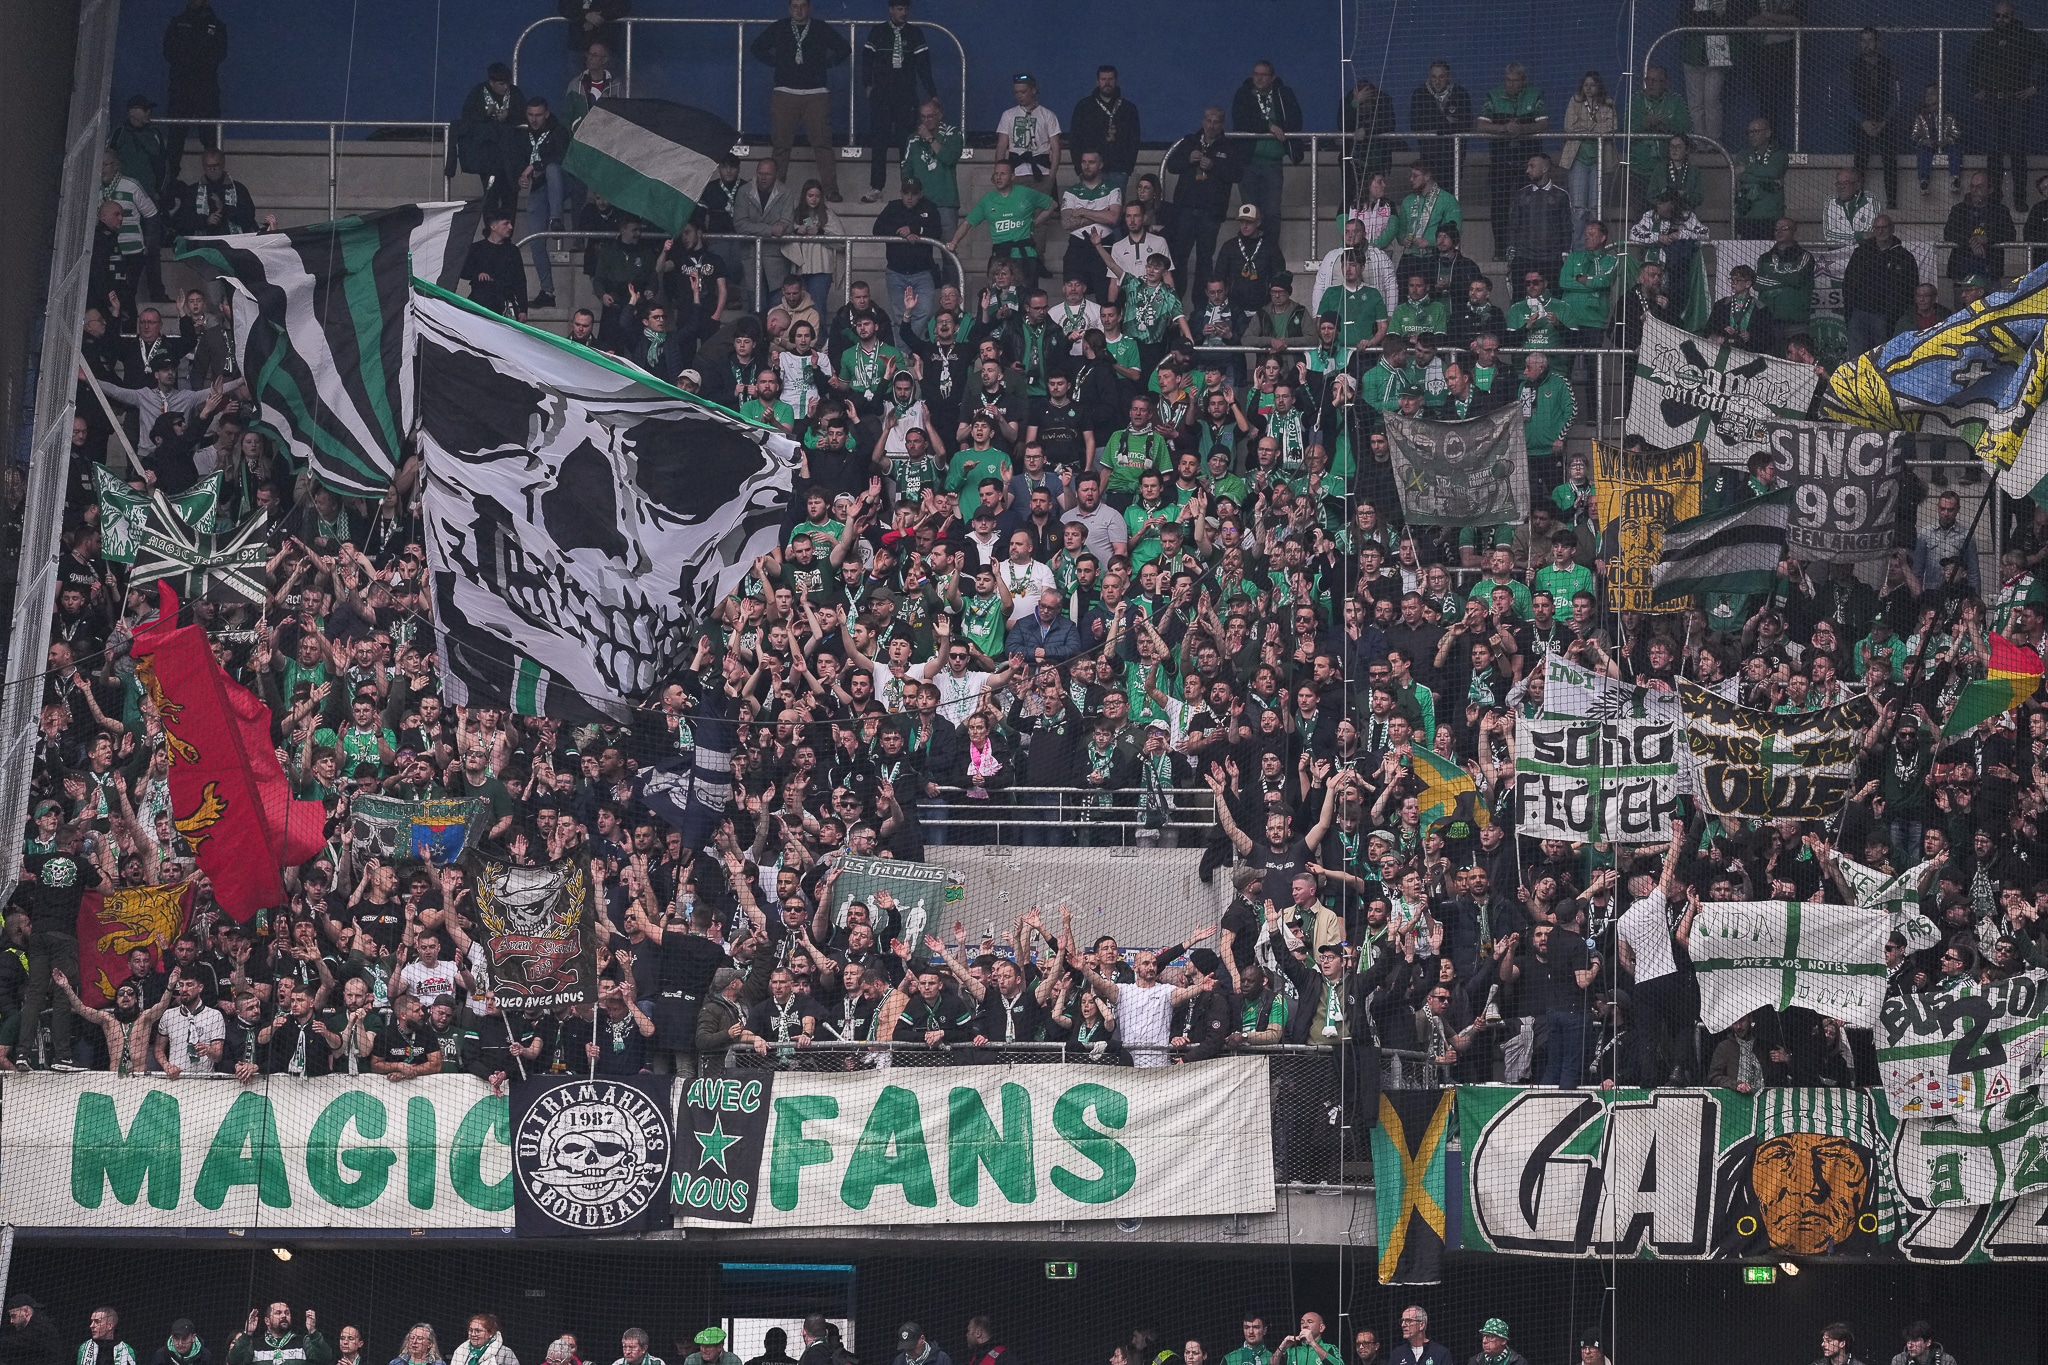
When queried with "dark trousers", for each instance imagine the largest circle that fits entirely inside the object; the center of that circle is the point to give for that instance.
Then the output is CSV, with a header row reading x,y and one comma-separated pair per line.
x,y
200,103
1884,145
2008,139
890,123
1508,172
1083,263
1193,245
46,951
1773,68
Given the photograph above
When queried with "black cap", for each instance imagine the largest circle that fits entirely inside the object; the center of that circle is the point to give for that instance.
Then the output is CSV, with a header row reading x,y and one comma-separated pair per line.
x,y
182,1328
141,102
908,1333
498,71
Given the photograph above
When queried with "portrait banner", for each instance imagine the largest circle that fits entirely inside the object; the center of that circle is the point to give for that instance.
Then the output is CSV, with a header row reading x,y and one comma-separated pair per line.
x,y
1678,1174
591,1156
1611,781
1688,388
1766,764
1964,1047
1471,473
1845,489
1638,494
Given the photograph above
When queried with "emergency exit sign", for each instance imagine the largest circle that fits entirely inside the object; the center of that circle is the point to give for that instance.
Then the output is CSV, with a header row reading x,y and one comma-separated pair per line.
x,y
1759,1274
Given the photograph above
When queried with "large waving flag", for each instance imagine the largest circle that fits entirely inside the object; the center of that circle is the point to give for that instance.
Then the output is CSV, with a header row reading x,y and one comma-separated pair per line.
x,y
1444,782
580,514
1980,375
1734,551
649,157
321,331
2013,676
229,796
215,566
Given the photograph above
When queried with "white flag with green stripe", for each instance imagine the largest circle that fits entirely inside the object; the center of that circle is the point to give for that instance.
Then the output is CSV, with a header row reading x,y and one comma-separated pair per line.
x,y
1963,1047
650,158
1735,551
1610,781
1897,894
1826,958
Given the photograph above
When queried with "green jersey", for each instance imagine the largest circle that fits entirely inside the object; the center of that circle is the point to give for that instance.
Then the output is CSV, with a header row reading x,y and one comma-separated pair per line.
x,y
935,164
1149,309
910,478
1562,583
1128,454
1422,214
1413,319
985,621
970,467
1359,311
1586,286
1009,215
866,372
754,410
823,535
1537,320
1785,283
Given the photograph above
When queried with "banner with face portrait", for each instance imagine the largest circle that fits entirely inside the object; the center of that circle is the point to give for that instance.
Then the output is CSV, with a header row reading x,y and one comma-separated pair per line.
x,y
1677,1174
1638,493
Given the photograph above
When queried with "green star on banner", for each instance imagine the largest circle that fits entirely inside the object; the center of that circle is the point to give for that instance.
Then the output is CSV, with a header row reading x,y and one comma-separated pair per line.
x,y
711,1146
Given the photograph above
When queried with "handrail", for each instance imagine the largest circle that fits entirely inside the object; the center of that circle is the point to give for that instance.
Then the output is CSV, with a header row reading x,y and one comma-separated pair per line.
x,y
1047,1049
852,26
1798,32
760,245
333,127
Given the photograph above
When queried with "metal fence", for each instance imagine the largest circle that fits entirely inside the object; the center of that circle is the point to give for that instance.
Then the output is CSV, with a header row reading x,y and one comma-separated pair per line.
x,y
740,27
437,132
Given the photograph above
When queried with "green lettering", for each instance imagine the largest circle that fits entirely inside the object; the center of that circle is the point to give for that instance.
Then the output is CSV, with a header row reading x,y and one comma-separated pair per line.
x,y
325,1157
102,1156
792,1151
891,1151
245,1151
1070,1121
420,1131
489,1117
972,1142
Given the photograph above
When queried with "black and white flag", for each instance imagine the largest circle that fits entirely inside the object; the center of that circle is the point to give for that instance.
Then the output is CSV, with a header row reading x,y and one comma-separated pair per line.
x,y
580,514
223,567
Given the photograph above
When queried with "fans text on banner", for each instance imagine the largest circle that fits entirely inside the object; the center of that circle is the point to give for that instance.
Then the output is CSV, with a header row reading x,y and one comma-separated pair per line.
x,y
1613,781
918,895
1688,389
1673,1174
1771,765
1963,1047
322,331
1897,894
1641,494
1471,473
1845,489
1825,958
579,514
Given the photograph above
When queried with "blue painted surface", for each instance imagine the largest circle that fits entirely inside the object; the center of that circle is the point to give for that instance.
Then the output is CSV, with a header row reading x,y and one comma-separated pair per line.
x,y
415,59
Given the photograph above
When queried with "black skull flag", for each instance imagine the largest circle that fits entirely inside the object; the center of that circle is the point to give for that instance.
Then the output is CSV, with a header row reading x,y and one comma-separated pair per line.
x,y
537,921
580,514
591,1155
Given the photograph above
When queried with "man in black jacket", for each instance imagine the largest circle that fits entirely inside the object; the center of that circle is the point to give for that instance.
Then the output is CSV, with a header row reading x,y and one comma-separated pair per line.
x,y
1875,91
910,277
1104,121
1208,164
897,75
496,275
1877,286
1249,262
594,21
801,51
1440,106
483,135
1265,104
538,147
195,44
217,202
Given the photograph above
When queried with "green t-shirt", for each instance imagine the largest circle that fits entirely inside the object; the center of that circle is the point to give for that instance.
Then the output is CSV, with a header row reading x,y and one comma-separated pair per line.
x,y
1009,215
985,621
970,467
1413,319
936,170
823,535
1562,583
1359,311
1149,309
910,478
866,372
754,410
1127,455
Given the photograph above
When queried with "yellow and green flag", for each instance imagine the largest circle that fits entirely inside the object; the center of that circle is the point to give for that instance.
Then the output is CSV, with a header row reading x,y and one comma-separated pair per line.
x,y
2014,675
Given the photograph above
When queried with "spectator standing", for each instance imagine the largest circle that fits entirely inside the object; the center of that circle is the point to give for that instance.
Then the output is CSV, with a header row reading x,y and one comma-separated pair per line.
x,y
140,146
1208,164
592,85
1589,119
1784,280
593,21
911,275
1494,1348
765,208
268,1337
195,45
1090,209
1107,123
1250,262
217,202
1265,104
1657,114
103,1345
1877,287
1773,56
1369,139
1760,183
1012,213
1874,89
496,275
483,134
1439,106
913,1349
1708,56
1028,136
2006,68
29,1338
544,141
1845,219
183,1347
802,51
1837,1345
932,154
1540,222
898,78
1513,115
61,878
1416,1348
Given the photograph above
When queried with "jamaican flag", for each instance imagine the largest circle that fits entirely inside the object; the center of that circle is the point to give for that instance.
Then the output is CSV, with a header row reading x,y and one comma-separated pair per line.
x,y
1409,1160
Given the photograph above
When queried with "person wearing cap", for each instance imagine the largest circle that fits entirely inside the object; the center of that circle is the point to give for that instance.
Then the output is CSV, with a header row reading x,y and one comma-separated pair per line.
x,y
30,1337
1494,1348
1249,262
162,396
710,1344
913,1349
1593,1351
181,1347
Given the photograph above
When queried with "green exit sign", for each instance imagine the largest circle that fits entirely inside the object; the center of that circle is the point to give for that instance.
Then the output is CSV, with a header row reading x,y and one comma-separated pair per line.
x,y
1759,1274
1062,1270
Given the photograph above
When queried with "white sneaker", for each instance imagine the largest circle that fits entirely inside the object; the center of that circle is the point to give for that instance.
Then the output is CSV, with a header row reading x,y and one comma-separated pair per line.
x,y
871,197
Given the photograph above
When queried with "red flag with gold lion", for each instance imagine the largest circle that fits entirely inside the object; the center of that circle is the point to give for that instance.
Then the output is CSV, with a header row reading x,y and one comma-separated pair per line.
x,y
113,924
229,797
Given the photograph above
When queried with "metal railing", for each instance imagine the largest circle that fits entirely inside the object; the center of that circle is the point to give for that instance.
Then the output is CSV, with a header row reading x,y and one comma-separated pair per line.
x,y
853,85
1799,33
1049,813
334,129
759,249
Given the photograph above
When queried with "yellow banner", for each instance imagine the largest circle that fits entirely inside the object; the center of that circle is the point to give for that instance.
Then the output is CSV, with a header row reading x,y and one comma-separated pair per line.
x,y
1640,493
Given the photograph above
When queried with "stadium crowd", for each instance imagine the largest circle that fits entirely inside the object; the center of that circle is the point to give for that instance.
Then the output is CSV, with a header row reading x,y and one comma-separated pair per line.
x,y
1065,566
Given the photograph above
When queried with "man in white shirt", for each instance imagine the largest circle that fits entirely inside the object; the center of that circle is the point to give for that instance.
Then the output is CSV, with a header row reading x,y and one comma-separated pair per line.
x,y
191,1036
1144,1008
427,976
1378,272
1024,576
1139,244
1076,314
961,687
1028,136
1847,218
1090,210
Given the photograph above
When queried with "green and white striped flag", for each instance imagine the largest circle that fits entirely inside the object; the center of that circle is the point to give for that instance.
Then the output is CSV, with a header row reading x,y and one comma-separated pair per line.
x,y
1734,551
651,158
1897,894
1826,958
322,335
1983,1156
124,512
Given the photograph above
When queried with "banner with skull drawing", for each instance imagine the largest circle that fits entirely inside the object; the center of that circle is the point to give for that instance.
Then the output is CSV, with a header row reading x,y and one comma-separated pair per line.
x,y
1469,473
540,936
591,1155
581,515
1688,388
